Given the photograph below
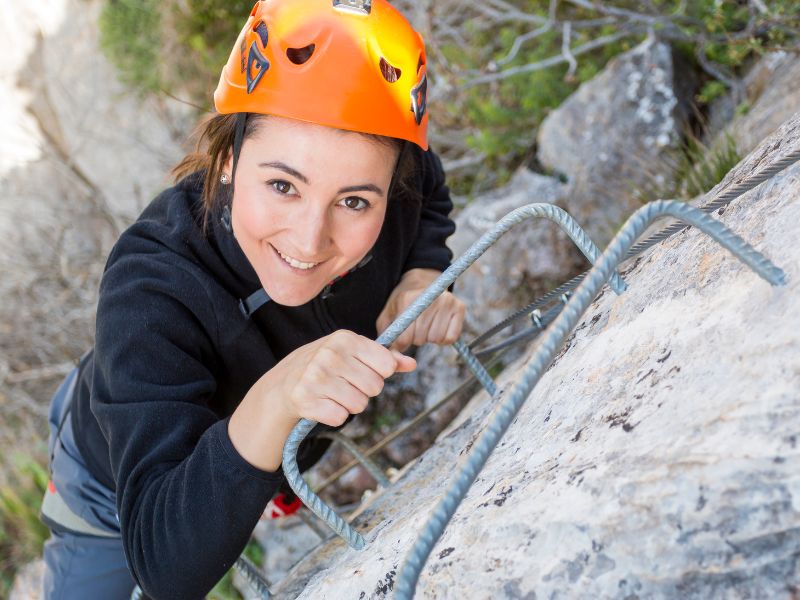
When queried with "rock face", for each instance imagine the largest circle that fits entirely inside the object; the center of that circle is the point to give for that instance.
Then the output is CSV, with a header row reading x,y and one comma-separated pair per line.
x,y
773,96
81,159
28,582
657,458
611,135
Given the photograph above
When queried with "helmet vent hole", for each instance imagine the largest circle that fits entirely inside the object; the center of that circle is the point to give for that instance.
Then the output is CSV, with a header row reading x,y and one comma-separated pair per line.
x,y
390,73
421,63
300,56
261,30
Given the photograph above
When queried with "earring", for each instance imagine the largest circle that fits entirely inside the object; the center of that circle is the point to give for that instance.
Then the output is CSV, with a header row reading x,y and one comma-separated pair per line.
x,y
224,179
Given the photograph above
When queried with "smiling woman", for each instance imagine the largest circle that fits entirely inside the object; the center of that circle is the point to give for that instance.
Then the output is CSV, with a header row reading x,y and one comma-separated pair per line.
x,y
308,204
247,297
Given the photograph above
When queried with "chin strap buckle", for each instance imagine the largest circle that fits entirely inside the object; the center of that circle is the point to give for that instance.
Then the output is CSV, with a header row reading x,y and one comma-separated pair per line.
x,y
253,302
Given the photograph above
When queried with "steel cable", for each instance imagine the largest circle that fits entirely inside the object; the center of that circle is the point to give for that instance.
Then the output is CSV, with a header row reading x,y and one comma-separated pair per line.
x,y
253,577
304,427
524,335
721,201
477,368
365,461
554,337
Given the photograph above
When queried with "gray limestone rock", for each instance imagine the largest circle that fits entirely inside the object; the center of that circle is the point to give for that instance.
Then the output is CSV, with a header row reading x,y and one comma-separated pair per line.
x,y
612,135
657,458
84,161
773,96
28,582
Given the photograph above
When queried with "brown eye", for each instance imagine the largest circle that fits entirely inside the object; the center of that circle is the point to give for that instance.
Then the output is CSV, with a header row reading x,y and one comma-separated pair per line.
x,y
281,186
355,203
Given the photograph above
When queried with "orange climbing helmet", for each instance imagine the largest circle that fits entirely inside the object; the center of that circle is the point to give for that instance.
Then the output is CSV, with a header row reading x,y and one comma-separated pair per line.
x,y
350,64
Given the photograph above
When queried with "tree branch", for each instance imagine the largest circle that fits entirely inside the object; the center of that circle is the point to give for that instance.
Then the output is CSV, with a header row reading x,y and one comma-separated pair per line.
x,y
552,61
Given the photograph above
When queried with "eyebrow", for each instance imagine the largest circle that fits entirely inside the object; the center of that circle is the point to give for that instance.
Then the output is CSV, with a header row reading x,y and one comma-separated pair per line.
x,y
366,187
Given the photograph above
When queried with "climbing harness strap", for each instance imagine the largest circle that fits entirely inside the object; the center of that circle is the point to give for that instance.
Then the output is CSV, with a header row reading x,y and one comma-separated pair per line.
x,y
56,514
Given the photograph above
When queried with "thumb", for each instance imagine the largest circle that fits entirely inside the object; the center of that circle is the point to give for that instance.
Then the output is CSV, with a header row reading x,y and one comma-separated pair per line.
x,y
405,364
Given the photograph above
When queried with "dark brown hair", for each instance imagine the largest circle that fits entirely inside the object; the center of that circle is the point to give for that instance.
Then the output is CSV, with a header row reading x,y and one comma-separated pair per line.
x,y
214,143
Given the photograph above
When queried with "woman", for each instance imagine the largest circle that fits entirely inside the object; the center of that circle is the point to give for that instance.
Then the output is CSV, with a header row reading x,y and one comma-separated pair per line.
x,y
247,297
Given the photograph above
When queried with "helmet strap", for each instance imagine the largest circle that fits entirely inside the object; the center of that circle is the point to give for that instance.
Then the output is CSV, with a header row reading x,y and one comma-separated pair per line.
x,y
238,139
396,174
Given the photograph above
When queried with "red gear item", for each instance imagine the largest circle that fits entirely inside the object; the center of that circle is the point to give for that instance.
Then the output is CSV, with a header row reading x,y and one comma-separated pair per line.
x,y
278,507
351,64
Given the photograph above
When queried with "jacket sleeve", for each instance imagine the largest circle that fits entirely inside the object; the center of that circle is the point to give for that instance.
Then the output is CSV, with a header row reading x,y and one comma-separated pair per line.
x,y
429,250
187,501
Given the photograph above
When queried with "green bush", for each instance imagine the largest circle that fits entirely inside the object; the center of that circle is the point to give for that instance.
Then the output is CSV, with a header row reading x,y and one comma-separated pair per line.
x,y
700,168
22,534
174,46
130,34
180,47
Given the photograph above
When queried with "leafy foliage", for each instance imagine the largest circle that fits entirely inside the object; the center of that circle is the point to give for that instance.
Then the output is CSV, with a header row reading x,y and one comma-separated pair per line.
x,y
130,34
180,47
501,115
174,46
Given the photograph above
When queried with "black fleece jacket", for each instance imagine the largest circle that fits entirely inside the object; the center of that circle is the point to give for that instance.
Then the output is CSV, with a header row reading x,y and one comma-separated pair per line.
x,y
175,355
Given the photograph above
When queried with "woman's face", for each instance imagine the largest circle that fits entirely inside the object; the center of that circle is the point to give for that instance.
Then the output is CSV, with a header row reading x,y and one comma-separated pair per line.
x,y
308,204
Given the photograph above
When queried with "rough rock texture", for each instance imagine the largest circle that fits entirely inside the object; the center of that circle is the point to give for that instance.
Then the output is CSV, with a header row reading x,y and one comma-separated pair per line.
x,y
657,458
28,582
773,96
79,158
611,136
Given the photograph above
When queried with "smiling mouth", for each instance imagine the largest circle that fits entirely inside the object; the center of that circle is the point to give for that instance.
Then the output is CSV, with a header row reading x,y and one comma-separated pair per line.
x,y
293,262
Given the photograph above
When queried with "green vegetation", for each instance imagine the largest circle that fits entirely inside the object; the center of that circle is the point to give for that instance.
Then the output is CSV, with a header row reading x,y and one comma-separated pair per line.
x,y
180,47
692,169
22,534
225,590
700,168
171,46
502,115
130,34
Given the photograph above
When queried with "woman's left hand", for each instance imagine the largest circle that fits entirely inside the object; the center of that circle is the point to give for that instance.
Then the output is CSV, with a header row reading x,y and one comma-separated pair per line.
x,y
440,323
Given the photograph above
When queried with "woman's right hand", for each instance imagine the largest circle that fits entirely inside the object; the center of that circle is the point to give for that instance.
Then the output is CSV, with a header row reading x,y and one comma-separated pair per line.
x,y
334,377
326,381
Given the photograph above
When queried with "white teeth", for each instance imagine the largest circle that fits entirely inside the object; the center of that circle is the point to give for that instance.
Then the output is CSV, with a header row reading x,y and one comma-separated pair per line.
x,y
296,263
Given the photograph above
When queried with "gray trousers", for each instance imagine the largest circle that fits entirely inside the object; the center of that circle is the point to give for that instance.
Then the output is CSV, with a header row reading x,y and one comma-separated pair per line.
x,y
79,566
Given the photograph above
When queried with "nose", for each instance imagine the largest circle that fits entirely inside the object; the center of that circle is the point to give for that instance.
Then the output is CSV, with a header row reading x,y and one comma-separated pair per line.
x,y
312,231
